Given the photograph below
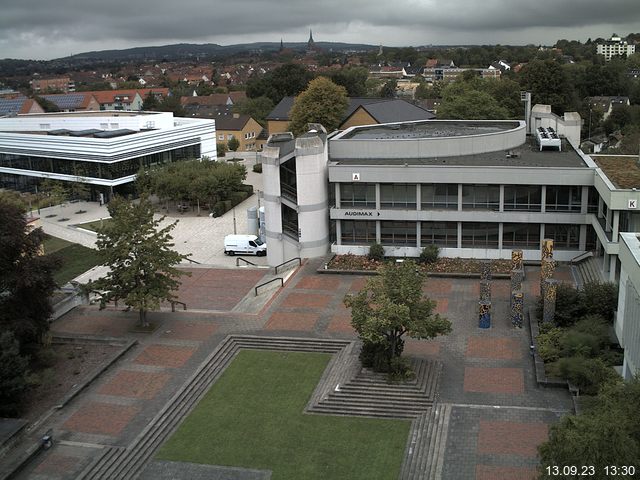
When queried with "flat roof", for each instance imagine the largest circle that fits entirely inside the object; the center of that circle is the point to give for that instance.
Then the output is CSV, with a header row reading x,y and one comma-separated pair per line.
x,y
622,170
91,113
526,155
428,129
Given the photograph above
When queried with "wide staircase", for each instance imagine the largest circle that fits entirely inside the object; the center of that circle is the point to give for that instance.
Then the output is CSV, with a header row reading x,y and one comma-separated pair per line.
x,y
589,270
117,463
373,395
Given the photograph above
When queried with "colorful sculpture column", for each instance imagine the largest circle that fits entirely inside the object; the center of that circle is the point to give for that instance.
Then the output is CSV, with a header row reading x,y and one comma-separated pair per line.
x,y
484,310
517,308
548,265
484,305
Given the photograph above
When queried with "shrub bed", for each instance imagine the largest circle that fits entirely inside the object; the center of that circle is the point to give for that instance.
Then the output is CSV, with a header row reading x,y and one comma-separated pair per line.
x,y
441,265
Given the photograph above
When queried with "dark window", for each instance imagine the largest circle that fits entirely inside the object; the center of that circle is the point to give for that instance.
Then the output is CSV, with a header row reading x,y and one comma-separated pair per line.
x,y
439,196
288,181
564,199
358,232
481,197
480,235
522,198
398,233
289,221
564,236
594,197
443,234
521,235
398,195
360,195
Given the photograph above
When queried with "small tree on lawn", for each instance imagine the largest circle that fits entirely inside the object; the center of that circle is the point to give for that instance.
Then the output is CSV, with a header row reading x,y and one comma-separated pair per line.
x,y
390,306
139,254
233,144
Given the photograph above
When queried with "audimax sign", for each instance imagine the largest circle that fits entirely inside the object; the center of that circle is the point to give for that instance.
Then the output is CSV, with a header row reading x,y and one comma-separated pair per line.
x,y
361,213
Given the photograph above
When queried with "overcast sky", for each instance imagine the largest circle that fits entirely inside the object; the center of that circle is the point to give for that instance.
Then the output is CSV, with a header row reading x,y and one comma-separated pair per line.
x,y
45,29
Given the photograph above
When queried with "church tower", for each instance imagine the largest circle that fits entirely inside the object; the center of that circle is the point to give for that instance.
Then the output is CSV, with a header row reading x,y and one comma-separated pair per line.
x,y
311,45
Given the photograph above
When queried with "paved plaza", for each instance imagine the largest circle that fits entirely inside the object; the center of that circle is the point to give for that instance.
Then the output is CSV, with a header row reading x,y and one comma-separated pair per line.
x,y
498,414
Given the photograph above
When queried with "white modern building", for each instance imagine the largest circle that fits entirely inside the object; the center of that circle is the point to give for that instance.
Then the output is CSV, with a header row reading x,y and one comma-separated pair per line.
x,y
627,323
104,149
614,47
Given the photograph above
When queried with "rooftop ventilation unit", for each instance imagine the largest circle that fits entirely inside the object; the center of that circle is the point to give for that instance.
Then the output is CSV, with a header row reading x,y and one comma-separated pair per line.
x,y
548,137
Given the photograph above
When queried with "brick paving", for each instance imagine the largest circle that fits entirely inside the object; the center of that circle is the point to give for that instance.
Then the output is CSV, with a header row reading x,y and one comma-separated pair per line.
x,y
101,418
134,384
56,464
482,369
303,322
494,380
511,438
496,348
165,355
488,472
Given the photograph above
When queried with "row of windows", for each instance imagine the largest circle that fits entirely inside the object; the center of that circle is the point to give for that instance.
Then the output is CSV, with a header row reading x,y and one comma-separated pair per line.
x,y
445,234
474,197
108,171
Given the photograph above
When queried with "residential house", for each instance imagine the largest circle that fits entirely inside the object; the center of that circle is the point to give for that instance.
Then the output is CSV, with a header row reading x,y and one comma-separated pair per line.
x,y
63,84
230,98
607,104
14,105
74,102
615,47
127,100
229,124
361,111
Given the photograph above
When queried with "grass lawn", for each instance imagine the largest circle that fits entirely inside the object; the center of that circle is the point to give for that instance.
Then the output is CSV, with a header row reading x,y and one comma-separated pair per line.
x,y
253,417
76,259
93,226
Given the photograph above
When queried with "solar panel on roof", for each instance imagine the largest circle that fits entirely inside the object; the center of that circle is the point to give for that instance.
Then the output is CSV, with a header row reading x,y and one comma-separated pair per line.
x,y
65,102
12,105
59,131
84,133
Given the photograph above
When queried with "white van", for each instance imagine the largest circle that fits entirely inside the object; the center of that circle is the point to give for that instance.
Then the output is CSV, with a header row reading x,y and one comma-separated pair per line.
x,y
244,244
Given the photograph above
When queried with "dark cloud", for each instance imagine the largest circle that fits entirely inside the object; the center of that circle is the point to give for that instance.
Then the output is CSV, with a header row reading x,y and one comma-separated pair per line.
x,y
45,29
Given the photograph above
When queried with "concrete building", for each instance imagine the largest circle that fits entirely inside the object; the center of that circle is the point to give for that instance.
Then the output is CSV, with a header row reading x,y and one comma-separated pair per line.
x,y
614,47
102,149
62,84
627,322
475,188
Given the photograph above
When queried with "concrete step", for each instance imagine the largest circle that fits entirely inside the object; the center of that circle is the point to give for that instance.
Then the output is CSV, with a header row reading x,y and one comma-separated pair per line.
x,y
365,411
392,402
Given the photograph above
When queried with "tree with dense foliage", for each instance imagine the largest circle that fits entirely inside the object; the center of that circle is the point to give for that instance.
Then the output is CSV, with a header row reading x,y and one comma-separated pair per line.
x,y
388,90
547,81
287,80
471,105
322,102
607,433
26,277
54,191
233,144
13,375
257,108
353,78
390,306
150,102
142,264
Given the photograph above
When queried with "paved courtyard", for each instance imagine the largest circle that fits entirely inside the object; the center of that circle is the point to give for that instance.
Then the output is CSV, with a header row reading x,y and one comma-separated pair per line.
x,y
498,413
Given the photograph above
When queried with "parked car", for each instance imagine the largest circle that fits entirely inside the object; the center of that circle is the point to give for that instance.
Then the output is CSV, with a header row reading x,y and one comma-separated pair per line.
x,y
243,245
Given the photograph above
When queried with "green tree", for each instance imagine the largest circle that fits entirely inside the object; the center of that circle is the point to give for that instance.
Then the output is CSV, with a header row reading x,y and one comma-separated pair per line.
x,y
322,102
13,375
26,277
150,102
388,90
607,433
471,105
354,79
55,191
287,80
233,144
139,254
390,306
547,82
257,108
221,149
47,105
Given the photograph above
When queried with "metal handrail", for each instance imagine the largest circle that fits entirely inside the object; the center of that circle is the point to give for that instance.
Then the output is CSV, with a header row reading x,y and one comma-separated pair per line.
x,y
582,256
267,283
245,261
288,261
173,305
193,261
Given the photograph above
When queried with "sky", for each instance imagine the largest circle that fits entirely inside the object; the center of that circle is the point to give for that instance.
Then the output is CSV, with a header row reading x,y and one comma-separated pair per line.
x,y
46,29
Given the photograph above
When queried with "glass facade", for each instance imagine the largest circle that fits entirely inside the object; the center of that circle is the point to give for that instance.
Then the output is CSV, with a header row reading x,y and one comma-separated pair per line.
x,y
398,195
521,235
359,195
398,233
565,237
288,180
481,197
563,199
527,198
443,234
439,196
479,235
103,170
358,232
